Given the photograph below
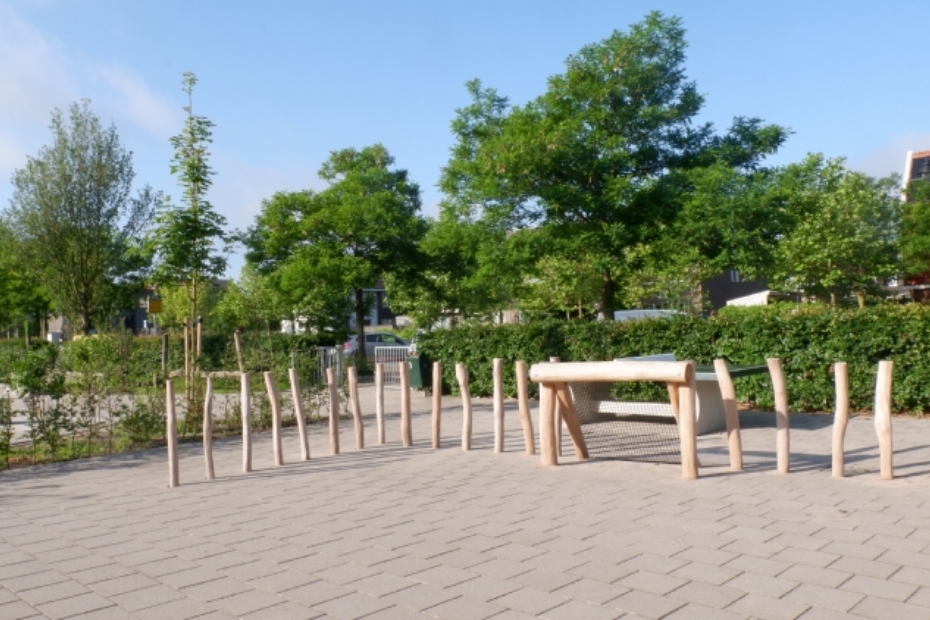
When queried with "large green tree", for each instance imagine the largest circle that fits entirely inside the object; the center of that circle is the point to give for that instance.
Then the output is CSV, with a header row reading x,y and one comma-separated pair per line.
x,y
323,248
601,161
76,221
915,229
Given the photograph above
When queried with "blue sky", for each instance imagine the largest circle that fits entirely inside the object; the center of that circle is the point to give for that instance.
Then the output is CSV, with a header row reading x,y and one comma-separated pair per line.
x,y
288,82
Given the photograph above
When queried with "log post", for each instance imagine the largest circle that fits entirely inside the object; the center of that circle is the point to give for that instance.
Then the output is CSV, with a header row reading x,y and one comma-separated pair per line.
x,y
164,355
572,423
333,411
437,404
356,408
208,429
461,374
523,402
239,359
841,417
687,425
406,430
299,414
883,417
275,401
498,381
245,409
558,417
199,349
547,453
781,415
187,357
728,393
171,434
379,401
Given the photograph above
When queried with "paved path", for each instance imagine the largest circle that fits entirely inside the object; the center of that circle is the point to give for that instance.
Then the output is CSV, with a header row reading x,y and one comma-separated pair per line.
x,y
392,533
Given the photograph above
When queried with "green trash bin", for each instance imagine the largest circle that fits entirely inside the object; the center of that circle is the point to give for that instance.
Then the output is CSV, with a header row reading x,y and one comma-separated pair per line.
x,y
420,371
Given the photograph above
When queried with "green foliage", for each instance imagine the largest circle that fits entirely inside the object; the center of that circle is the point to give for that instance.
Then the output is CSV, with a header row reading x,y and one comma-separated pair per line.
x,y
326,247
808,339
76,226
601,162
915,229
189,243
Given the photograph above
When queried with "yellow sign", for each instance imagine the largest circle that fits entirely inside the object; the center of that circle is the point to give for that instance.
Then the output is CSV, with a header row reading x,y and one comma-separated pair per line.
x,y
154,306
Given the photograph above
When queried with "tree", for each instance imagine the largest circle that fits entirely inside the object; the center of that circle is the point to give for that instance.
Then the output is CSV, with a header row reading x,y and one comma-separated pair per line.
x,y
915,229
842,233
75,221
21,298
332,245
251,302
189,243
601,159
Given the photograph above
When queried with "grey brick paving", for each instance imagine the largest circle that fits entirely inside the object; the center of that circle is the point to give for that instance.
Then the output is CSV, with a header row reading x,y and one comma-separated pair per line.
x,y
395,533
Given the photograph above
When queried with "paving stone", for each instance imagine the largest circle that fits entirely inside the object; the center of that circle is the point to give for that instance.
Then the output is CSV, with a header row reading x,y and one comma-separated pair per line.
x,y
463,608
574,610
72,606
646,604
767,608
819,596
882,608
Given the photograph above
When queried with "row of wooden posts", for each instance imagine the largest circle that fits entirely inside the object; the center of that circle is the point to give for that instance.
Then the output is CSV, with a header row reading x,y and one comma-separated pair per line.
x,y
555,408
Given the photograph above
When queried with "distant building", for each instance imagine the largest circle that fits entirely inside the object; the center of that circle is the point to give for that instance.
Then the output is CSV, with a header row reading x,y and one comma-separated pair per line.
x,y
917,166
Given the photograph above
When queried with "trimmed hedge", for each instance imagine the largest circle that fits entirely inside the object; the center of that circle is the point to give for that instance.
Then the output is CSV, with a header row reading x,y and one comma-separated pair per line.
x,y
807,338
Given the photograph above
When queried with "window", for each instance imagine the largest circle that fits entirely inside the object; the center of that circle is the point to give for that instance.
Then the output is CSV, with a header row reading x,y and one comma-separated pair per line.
x,y
734,275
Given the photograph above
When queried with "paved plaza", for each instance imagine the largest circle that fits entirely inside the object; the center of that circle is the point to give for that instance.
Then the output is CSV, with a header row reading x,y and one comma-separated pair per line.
x,y
393,532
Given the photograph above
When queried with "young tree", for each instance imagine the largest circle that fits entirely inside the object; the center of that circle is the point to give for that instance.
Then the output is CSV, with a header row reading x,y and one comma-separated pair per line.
x,y
76,222
189,242
334,244
599,160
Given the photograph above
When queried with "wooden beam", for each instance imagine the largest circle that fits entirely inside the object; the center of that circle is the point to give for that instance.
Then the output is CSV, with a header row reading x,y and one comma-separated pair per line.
x,y
782,447
523,402
275,401
406,423
572,422
171,434
567,372
245,410
687,424
883,417
461,374
333,411
379,401
356,408
497,372
208,429
299,414
548,455
437,404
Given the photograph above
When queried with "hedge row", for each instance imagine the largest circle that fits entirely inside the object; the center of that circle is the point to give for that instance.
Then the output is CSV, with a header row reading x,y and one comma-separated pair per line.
x,y
807,338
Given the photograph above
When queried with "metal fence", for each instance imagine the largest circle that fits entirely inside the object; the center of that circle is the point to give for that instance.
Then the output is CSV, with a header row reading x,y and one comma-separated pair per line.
x,y
311,364
390,357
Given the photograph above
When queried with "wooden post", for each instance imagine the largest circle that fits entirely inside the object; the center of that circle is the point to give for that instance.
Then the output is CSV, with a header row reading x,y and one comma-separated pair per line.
x,y
558,418
333,411
437,404
379,401
208,429
199,349
239,359
275,401
245,409
498,378
548,453
687,425
299,414
841,417
572,423
461,375
883,417
781,415
728,393
187,356
406,432
356,408
171,434
523,402
164,354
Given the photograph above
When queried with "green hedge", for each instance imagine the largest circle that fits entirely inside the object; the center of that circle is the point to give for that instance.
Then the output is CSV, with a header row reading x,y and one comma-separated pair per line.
x,y
807,338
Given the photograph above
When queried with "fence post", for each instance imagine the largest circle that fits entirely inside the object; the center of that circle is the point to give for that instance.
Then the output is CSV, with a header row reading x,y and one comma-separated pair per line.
x,y
883,417
379,401
275,418
245,410
171,434
299,414
333,411
406,430
558,418
356,409
208,429
728,393
437,404
461,374
841,417
498,378
687,425
524,405
781,415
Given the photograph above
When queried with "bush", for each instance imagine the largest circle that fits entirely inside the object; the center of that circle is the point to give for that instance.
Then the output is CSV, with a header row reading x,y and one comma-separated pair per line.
x,y
807,338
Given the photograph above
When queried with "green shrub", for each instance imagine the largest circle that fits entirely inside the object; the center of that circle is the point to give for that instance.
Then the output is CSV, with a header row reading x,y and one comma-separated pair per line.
x,y
807,338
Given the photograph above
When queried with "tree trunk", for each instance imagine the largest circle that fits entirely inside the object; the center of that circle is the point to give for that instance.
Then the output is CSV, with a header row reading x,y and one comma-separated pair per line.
x,y
607,297
360,324
860,297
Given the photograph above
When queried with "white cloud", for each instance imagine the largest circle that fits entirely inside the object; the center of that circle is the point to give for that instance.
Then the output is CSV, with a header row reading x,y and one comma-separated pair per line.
x,y
890,158
144,107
